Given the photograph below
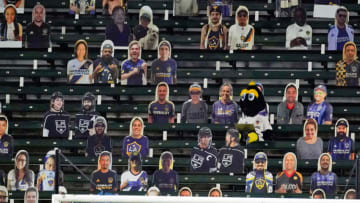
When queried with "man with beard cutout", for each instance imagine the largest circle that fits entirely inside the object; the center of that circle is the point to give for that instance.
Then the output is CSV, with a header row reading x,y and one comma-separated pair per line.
x,y
324,178
134,179
214,34
107,67
84,119
341,146
260,180
100,141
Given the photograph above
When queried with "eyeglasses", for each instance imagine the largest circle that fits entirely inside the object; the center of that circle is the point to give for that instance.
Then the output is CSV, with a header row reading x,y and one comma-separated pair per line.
x,y
342,16
319,92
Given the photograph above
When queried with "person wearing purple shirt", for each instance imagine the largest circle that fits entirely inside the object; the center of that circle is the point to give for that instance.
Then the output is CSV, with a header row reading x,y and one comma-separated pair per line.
x,y
134,69
166,179
341,146
164,68
341,32
161,110
324,178
225,110
136,141
117,31
320,110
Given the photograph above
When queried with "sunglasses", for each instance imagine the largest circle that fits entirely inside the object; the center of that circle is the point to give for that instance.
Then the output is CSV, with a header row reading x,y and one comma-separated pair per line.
x,y
342,16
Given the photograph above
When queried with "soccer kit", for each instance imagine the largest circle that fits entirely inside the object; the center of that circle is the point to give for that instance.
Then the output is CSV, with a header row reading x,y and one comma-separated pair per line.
x,y
134,182
131,145
320,112
161,113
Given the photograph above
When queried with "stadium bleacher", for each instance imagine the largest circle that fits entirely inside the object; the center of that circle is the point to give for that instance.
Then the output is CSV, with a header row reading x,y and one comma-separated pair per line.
x,y
29,102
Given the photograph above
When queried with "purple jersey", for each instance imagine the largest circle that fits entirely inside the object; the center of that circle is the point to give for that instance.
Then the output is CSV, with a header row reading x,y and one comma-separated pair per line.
x,y
320,112
131,145
129,66
224,113
341,150
161,113
163,71
326,182
166,182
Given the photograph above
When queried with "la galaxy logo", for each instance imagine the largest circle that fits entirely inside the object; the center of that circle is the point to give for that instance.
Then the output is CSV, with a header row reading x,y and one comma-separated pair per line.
x,y
6,144
132,147
60,126
260,183
227,160
197,161
83,125
168,69
110,180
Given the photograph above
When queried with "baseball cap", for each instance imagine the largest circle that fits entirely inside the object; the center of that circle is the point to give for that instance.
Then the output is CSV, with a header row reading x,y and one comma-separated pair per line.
x,y
145,16
107,46
205,131
341,122
260,156
215,8
321,87
195,87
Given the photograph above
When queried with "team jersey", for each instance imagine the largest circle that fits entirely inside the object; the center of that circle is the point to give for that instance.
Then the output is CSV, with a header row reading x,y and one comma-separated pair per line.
x,y
79,72
215,40
326,182
106,75
241,37
290,181
261,124
294,31
341,150
168,183
131,145
231,159
163,71
48,180
104,182
84,122
22,184
224,113
161,113
259,182
137,182
6,146
56,124
128,66
97,144
37,37
320,112
203,160
194,113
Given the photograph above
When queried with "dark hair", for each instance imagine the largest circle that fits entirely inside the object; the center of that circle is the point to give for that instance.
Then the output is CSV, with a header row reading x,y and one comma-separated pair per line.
x,y
301,9
4,25
3,119
28,177
341,9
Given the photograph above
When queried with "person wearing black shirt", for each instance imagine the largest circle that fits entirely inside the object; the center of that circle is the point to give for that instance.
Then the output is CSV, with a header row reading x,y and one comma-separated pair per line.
x,y
38,32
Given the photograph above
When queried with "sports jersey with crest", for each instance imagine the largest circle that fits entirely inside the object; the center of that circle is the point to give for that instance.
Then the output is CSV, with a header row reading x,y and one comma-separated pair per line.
x,y
163,71
290,181
203,160
348,74
57,123
259,181
326,182
168,183
105,182
231,159
137,182
48,180
6,146
129,66
341,150
161,113
97,144
80,71
241,37
131,145
320,112
84,122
